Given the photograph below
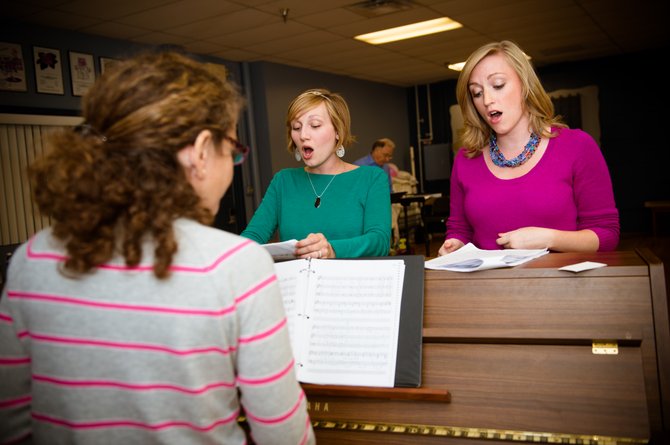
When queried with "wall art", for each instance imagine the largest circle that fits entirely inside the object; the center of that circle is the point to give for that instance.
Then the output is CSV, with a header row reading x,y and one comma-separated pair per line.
x,y
12,68
106,63
82,72
48,70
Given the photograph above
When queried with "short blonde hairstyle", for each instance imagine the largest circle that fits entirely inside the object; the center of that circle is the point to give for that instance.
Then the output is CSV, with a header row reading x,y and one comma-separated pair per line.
x,y
337,110
536,101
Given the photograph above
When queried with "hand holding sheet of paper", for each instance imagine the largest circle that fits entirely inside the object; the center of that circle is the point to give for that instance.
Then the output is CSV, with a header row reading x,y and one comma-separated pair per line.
x,y
282,251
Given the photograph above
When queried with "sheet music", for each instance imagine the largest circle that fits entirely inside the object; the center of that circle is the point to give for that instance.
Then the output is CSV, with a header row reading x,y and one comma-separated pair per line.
x,y
349,332
469,259
290,281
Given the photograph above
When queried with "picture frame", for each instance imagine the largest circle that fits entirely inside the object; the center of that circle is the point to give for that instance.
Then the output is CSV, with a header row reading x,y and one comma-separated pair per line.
x,y
82,72
12,68
48,70
106,63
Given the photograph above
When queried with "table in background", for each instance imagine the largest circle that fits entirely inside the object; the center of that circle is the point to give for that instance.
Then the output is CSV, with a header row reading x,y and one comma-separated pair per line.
x,y
406,199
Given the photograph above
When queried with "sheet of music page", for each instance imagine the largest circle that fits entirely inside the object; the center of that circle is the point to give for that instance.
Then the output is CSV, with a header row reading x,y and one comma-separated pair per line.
x,y
343,319
292,277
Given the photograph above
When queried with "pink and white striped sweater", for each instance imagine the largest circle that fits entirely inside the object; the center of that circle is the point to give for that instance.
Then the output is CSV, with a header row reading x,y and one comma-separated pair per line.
x,y
118,356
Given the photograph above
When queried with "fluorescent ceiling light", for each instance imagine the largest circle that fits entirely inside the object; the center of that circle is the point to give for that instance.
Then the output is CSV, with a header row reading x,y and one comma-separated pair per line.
x,y
459,66
409,31
456,66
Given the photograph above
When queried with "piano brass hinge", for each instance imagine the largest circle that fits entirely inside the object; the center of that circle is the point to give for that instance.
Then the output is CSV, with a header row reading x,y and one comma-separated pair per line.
x,y
605,347
455,432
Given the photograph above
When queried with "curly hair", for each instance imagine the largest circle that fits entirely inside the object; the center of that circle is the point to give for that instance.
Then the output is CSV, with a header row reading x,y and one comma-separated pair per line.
x,y
337,108
537,102
115,181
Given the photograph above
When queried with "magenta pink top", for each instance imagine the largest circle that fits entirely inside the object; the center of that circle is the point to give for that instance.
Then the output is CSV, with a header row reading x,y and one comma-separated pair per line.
x,y
569,189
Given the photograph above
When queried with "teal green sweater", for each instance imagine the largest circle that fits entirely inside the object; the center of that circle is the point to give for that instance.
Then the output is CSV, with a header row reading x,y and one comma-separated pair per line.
x,y
354,215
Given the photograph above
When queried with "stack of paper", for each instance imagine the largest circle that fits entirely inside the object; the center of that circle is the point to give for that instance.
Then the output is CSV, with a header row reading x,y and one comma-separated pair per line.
x,y
284,250
469,259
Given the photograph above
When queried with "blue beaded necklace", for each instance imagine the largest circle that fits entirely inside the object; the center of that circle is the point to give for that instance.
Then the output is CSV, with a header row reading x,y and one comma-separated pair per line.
x,y
499,159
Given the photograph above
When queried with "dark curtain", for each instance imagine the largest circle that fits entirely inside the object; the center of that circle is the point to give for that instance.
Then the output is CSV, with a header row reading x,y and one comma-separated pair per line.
x,y
570,109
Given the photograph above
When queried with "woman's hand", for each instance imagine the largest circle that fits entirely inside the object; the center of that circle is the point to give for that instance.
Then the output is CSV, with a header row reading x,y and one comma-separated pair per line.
x,y
584,240
449,246
314,246
527,238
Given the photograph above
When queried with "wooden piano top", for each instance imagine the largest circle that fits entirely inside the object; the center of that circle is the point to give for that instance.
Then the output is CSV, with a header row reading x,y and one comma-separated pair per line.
x,y
619,262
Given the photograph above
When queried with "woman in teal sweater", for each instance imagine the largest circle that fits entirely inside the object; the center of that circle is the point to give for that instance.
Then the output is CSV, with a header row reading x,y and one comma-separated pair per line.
x,y
335,209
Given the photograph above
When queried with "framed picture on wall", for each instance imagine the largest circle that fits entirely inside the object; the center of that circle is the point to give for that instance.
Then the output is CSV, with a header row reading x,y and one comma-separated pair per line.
x,y
12,68
106,63
48,70
82,72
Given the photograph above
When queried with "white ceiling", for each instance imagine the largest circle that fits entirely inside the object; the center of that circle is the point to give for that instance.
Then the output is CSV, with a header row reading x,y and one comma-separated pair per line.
x,y
318,34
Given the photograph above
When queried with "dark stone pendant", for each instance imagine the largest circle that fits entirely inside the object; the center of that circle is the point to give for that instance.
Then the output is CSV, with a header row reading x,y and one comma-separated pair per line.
x,y
317,202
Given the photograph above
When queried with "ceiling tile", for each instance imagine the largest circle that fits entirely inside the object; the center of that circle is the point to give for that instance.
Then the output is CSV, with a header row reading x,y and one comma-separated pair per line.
x,y
223,24
328,19
179,13
294,42
161,38
267,33
202,47
238,55
57,19
110,10
300,8
114,30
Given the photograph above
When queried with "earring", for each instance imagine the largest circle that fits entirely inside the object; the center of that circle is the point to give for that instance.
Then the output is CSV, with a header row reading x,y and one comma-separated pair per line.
x,y
340,151
296,153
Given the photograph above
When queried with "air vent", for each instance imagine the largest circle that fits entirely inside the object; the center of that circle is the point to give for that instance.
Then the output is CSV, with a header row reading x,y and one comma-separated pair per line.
x,y
376,8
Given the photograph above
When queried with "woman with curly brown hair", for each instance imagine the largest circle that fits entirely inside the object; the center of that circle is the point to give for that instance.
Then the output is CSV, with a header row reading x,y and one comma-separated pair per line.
x,y
130,320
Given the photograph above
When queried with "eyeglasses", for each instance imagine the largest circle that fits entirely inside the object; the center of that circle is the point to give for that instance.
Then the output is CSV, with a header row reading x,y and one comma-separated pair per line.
x,y
240,150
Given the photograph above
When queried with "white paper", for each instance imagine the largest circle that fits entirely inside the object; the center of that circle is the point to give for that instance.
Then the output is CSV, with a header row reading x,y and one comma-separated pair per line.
x,y
469,259
282,251
344,318
290,282
580,267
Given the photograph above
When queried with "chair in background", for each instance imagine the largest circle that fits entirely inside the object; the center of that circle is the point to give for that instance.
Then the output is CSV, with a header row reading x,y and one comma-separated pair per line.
x,y
435,214
403,181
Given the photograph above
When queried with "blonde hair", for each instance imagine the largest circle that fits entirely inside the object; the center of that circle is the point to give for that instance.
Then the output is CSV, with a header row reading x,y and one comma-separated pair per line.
x,y
337,108
476,132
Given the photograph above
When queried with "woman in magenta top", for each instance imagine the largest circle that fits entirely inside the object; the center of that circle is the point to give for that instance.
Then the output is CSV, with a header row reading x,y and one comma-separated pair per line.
x,y
523,180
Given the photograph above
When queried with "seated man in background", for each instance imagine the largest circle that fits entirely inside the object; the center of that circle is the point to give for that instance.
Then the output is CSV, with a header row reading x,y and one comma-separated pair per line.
x,y
380,156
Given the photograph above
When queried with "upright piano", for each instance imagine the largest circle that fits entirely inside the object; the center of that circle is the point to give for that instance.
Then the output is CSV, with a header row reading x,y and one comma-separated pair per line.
x,y
525,354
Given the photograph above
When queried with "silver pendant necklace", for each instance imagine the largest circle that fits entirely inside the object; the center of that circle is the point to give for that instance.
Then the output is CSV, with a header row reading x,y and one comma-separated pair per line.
x,y
317,201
